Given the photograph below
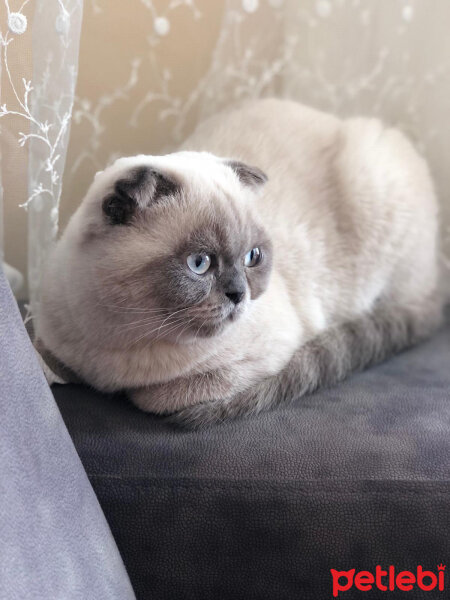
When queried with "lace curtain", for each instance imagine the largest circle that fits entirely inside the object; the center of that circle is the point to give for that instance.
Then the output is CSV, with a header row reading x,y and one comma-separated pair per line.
x,y
151,69
39,59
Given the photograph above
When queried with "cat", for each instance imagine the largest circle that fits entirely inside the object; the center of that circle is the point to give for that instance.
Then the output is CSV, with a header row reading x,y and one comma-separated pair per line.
x,y
277,251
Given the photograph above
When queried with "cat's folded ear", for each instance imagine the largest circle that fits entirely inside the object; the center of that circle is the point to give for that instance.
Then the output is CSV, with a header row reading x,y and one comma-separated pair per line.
x,y
141,187
248,175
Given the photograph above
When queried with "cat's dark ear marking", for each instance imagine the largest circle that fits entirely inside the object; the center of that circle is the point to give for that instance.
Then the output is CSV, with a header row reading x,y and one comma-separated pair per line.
x,y
248,175
118,209
141,187
164,186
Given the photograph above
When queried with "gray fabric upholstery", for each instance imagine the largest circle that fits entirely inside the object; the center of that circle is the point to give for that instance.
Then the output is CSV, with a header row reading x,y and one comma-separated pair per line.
x,y
55,543
263,508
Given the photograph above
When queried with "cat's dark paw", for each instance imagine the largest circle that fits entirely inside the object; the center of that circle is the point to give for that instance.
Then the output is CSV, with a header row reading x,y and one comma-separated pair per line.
x,y
199,416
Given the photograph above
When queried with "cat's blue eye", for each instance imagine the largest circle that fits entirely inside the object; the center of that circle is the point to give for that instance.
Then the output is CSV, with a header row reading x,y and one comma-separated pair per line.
x,y
253,257
199,263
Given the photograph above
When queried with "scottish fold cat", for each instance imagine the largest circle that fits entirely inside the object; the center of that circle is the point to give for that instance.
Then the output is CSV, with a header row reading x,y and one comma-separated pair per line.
x,y
278,250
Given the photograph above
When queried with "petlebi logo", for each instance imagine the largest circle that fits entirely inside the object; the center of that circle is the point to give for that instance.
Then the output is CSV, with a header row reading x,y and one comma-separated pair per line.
x,y
388,580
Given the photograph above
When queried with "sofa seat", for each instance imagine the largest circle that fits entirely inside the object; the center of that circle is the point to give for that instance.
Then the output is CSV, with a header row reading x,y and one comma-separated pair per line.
x,y
348,478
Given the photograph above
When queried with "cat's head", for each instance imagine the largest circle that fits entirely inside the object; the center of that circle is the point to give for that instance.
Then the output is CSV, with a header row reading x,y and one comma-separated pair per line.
x,y
171,246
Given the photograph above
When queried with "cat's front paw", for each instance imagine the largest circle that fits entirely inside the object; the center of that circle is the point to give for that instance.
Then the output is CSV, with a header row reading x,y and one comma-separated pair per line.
x,y
248,402
195,393
161,399
199,416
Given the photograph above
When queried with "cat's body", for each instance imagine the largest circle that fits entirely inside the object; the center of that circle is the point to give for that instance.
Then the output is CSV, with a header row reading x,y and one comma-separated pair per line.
x,y
346,226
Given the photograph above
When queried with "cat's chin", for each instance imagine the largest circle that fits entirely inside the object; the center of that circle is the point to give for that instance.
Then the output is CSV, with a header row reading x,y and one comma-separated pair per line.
x,y
205,330
212,328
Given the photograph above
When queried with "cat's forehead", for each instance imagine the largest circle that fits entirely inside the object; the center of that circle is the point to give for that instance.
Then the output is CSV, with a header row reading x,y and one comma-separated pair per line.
x,y
224,227
183,199
189,169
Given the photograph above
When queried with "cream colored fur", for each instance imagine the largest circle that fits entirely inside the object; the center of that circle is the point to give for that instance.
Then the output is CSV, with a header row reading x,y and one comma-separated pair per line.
x,y
351,212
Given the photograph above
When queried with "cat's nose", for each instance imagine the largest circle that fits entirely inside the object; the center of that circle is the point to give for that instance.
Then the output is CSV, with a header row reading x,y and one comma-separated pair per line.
x,y
235,296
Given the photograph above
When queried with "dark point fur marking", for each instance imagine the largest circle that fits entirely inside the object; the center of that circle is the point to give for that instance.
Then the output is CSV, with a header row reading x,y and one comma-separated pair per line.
x,y
248,175
326,360
141,187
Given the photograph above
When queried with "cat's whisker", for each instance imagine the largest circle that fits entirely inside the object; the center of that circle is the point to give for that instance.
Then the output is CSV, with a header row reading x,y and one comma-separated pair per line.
x,y
138,309
148,333
174,313
198,330
152,319
133,309
174,328
138,324
183,330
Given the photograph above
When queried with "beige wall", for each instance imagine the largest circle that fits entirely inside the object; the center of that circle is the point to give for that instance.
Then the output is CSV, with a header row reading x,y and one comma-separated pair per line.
x,y
111,40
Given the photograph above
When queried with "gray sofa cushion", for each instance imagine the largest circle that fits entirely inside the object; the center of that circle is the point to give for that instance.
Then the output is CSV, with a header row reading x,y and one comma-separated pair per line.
x,y
351,477
54,540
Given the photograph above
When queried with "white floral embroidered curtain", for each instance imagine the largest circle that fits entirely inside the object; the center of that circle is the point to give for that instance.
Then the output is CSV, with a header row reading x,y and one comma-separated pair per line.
x,y
39,45
151,69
